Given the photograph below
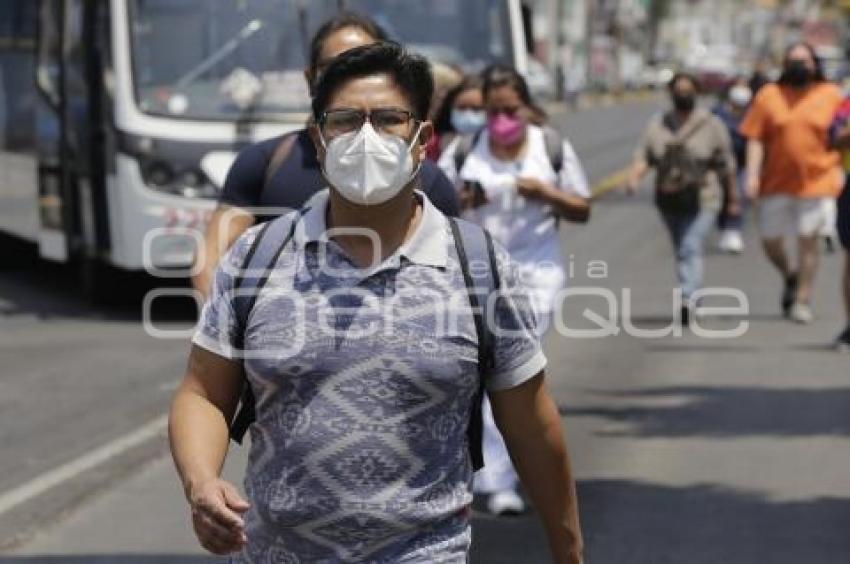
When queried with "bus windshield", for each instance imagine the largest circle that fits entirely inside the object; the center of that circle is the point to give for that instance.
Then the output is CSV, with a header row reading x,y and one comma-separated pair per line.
x,y
229,60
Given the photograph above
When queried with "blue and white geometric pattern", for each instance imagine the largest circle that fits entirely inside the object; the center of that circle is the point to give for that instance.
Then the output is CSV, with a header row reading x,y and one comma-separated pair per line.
x,y
359,452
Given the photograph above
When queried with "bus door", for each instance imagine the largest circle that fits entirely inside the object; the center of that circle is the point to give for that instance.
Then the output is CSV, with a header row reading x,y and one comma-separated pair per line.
x,y
70,172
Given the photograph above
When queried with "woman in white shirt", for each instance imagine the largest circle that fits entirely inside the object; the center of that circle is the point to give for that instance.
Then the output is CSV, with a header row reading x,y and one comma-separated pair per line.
x,y
518,180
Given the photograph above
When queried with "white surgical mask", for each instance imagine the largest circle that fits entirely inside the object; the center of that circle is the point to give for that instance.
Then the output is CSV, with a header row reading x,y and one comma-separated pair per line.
x,y
740,95
468,122
368,168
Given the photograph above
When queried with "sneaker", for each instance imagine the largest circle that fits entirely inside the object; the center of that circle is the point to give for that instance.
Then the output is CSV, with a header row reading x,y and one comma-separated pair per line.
x,y
801,313
842,343
789,294
731,242
506,502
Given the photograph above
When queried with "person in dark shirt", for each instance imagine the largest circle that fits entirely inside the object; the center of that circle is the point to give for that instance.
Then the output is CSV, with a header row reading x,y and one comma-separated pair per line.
x,y
299,177
284,172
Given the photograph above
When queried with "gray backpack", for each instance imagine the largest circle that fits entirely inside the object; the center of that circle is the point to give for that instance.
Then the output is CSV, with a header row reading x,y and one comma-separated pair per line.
x,y
472,243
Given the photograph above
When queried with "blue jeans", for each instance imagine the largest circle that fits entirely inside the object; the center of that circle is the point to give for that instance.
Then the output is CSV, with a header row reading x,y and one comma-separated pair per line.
x,y
688,233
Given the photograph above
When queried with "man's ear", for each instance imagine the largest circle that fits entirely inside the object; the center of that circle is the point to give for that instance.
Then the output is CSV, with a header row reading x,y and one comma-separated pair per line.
x,y
425,135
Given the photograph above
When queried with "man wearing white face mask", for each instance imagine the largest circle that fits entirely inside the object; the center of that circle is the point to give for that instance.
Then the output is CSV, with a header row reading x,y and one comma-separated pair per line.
x,y
360,449
731,111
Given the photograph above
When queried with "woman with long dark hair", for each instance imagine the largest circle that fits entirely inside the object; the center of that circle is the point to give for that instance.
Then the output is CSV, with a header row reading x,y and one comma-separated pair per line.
x,y
461,113
517,179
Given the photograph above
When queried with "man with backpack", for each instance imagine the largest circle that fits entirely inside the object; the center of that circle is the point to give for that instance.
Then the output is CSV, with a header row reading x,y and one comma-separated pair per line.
x,y
358,323
284,172
691,152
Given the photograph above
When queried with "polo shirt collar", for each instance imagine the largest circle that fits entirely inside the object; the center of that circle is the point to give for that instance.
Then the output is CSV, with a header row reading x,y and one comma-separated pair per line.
x,y
428,246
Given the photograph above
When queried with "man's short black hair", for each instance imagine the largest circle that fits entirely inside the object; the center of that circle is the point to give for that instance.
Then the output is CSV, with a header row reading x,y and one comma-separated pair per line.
x,y
343,20
411,73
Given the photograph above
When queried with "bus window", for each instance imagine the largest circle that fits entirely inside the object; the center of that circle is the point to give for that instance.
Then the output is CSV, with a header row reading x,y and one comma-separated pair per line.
x,y
187,53
466,33
17,101
190,56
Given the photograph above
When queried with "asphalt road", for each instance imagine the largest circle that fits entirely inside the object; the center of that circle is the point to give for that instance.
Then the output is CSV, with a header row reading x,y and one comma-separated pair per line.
x,y
688,449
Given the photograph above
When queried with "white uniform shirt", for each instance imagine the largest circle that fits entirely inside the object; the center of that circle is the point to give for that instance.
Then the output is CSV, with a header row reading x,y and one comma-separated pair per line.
x,y
526,228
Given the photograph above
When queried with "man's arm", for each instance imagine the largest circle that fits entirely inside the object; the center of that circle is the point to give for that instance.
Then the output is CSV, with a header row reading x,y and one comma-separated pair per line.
x,y
198,430
225,226
755,159
531,425
727,170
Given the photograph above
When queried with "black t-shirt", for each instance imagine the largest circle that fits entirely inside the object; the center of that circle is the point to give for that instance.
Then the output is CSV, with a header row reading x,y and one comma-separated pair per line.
x,y
299,177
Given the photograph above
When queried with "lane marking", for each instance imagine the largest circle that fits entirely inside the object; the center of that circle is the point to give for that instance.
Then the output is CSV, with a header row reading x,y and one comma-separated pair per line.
x,y
52,478
611,182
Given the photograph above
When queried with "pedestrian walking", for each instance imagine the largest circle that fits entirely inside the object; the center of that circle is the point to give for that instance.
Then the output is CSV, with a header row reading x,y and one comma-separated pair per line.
x,y
361,448
284,172
691,152
462,112
517,180
841,140
446,79
793,170
731,110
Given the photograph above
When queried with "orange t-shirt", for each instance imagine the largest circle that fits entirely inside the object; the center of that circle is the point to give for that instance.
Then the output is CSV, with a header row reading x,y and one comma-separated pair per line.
x,y
794,127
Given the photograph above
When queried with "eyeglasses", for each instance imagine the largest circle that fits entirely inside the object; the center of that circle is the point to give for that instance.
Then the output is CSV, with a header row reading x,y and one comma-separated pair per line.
x,y
392,121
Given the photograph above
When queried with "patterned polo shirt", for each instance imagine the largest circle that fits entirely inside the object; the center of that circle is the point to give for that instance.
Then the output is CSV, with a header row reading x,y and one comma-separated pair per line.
x,y
364,382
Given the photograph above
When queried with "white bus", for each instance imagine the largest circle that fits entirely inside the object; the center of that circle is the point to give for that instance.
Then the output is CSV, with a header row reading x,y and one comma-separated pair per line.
x,y
119,118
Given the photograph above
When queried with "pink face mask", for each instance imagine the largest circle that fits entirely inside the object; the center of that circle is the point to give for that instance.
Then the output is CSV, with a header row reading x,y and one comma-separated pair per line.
x,y
506,130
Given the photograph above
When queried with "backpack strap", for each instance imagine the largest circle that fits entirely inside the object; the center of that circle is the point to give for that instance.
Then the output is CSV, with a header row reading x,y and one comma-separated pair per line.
x,y
554,148
474,243
281,153
465,145
253,276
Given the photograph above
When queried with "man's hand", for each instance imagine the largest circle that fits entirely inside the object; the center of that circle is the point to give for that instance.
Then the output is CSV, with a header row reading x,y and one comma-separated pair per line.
x,y
471,196
533,189
217,510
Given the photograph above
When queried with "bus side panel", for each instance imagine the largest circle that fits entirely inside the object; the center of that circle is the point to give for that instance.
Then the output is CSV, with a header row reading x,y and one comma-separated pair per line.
x,y
18,103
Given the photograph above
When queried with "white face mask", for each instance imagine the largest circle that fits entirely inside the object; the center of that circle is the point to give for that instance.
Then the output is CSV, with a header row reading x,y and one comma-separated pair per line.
x,y
368,168
740,95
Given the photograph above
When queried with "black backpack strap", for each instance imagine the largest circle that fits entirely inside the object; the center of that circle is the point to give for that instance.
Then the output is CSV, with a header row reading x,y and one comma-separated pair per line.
x,y
465,145
554,148
473,243
253,276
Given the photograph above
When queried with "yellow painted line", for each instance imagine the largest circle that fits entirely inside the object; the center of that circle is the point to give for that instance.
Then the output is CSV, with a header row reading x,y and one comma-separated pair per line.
x,y
611,182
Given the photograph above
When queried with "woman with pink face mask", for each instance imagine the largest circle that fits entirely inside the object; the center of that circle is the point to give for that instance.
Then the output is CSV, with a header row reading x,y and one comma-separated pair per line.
x,y
517,179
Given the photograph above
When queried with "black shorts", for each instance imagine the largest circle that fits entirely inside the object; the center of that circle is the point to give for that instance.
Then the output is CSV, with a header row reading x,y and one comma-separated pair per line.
x,y
843,222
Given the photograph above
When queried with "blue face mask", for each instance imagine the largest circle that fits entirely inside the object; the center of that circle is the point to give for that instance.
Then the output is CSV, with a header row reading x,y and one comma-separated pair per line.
x,y
467,122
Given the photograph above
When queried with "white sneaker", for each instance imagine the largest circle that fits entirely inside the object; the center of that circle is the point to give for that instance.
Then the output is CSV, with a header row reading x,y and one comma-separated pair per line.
x,y
731,241
801,313
506,502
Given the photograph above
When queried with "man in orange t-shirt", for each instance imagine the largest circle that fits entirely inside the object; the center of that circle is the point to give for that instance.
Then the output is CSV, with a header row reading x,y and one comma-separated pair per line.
x,y
793,170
